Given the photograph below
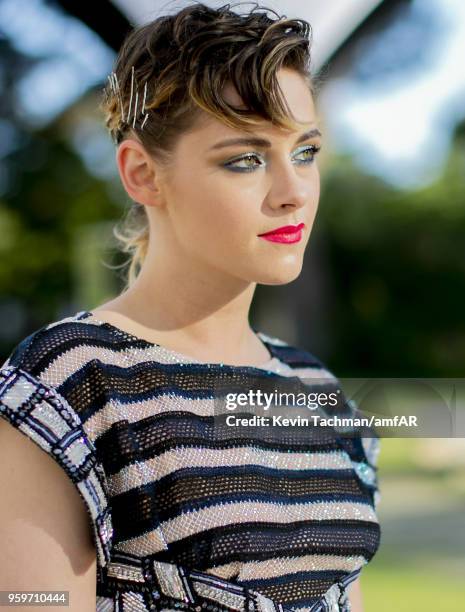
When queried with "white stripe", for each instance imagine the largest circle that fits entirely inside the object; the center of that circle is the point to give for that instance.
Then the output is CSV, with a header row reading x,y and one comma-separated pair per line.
x,y
134,411
223,514
281,566
220,515
151,470
70,361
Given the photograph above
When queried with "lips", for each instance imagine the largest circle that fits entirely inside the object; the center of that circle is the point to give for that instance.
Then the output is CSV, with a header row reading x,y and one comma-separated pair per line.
x,y
287,234
285,229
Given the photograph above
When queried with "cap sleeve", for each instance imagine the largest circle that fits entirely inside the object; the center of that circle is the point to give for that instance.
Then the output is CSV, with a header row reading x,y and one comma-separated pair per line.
x,y
43,415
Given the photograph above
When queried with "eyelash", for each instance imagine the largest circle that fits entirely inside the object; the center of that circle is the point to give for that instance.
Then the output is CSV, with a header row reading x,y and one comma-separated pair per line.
x,y
230,165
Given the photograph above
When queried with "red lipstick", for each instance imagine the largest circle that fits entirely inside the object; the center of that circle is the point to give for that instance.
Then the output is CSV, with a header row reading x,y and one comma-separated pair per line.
x,y
286,233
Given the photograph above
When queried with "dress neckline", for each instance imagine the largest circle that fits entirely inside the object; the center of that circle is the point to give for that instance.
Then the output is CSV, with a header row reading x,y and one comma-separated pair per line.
x,y
272,365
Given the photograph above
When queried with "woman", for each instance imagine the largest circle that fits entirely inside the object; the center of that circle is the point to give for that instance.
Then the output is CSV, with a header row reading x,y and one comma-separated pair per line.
x,y
214,120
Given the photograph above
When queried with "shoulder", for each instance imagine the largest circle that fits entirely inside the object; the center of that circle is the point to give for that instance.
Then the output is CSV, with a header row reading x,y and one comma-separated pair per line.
x,y
295,356
36,401
46,347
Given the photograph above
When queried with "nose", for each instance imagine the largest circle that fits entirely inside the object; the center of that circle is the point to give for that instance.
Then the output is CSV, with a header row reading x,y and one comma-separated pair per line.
x,y
293,186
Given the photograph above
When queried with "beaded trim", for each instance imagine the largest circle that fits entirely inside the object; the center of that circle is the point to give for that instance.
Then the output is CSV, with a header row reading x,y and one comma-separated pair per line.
x,y
158,585
46,417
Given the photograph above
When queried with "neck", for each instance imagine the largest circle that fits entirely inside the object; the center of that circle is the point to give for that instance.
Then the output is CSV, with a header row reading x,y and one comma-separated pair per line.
x,y
198,312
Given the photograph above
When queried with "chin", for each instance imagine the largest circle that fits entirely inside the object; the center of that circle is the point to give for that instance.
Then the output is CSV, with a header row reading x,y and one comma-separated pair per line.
x,y
279,276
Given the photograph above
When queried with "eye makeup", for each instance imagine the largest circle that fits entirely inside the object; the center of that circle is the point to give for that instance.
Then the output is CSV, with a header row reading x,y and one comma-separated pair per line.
x,y
231,164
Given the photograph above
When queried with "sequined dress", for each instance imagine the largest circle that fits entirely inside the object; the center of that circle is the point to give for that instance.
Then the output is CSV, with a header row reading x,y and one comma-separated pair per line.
x,y
183,519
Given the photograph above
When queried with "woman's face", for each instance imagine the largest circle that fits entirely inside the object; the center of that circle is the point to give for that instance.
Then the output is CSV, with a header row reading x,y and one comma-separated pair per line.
x,y
218,199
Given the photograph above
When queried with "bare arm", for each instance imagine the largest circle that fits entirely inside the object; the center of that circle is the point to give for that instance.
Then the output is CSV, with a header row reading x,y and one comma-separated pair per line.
x,y
45,531
355,596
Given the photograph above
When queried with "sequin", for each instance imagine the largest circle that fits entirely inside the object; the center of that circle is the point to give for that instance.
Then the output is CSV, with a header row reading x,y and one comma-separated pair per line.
x,y
133,602
365,472
125,572
105,604
186,514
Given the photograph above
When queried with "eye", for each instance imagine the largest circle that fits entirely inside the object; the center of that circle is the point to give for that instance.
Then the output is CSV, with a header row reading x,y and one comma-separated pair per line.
x,y
309,151
312,150
233,164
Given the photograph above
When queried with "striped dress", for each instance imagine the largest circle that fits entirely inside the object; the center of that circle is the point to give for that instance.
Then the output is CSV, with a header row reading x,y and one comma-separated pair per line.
x,y
188,513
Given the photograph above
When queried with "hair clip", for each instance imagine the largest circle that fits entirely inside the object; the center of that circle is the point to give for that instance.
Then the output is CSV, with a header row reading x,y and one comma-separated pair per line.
x,y
136,102
117,91
135,109
143,122
132,89
143,107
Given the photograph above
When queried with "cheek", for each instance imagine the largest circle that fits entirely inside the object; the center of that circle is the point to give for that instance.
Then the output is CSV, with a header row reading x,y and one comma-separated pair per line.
x,y
217,211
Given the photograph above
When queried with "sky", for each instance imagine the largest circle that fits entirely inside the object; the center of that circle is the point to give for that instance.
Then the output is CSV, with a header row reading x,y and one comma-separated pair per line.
x,y
397,109
71,57
394,112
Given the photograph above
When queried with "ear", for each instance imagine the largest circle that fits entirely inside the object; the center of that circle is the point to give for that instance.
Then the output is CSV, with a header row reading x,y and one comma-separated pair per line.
x,y
137,171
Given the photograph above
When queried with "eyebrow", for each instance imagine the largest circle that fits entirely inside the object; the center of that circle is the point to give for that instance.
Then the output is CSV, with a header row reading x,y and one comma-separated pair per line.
x,y
261,142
